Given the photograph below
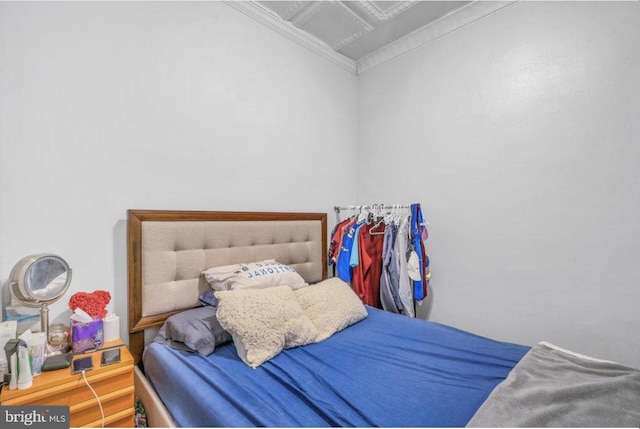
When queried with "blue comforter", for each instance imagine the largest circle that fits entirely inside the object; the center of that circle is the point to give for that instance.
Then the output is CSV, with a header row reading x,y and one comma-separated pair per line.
x,y
387,370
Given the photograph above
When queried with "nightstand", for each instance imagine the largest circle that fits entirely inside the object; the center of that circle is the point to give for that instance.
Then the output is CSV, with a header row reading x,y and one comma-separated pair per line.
x,y
113,385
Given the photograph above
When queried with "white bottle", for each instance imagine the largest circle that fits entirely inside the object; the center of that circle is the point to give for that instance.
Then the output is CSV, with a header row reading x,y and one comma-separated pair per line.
x,y
13,365
25,379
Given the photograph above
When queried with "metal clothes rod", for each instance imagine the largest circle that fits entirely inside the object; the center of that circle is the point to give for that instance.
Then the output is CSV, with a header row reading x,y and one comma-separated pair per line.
x,y
373,206
370,207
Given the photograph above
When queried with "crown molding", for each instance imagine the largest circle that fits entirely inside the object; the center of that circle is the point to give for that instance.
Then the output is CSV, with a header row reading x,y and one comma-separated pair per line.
x,y
265,17
454,20
295,7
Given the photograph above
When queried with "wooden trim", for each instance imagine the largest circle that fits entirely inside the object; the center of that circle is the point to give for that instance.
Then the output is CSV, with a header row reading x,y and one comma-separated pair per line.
x,y
137,323
325,245
209,216
134,274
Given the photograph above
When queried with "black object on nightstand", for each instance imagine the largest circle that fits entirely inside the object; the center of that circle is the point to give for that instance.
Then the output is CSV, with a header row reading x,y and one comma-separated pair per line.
x,y
110,357
54,362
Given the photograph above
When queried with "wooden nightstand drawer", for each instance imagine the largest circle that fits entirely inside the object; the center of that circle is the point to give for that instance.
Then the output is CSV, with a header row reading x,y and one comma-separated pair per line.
x,y
123,419
75,391
113,385
115,402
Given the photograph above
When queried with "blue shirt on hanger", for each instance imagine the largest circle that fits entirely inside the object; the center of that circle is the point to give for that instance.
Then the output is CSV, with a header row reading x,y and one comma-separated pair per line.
x,y
343,267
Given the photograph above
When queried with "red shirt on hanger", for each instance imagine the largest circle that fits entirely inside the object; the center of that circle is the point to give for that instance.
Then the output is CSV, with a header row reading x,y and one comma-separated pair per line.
x,y
366,275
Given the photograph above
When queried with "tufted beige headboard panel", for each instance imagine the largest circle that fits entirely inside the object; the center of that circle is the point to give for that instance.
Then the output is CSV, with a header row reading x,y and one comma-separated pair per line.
x,y
168,250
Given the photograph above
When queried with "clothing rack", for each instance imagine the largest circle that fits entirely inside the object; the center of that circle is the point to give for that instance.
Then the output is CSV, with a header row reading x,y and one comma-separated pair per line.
x,y
378,284
337,209
374,206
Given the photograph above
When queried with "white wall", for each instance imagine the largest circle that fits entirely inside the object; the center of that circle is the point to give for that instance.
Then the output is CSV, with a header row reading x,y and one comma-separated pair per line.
x,y
156,105
519,135
524,124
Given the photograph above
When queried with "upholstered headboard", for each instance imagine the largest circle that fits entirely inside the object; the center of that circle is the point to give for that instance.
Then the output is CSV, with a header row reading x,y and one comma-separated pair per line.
x,y
168,250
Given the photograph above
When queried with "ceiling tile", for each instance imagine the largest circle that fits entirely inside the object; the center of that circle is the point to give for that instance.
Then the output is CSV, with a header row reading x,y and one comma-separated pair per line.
x,y
332,23
381,11
420,14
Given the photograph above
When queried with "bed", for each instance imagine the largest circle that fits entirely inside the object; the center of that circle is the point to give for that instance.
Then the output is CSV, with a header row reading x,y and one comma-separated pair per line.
x,y
382,369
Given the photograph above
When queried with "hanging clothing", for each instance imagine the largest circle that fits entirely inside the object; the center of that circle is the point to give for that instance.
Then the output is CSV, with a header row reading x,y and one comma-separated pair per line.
x,y
371,252
389,281
366,275
405,288
343,266
336,242
418,229
354,260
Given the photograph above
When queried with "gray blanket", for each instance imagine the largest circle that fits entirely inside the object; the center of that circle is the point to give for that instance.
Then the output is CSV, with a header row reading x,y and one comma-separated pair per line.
x,y
554,387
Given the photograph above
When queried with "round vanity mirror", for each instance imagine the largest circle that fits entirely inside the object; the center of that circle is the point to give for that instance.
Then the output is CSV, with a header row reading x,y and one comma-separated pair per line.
x,y
39,280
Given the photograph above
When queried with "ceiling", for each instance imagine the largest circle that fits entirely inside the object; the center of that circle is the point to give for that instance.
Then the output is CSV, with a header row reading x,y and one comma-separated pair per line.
x,y
359,28
358,34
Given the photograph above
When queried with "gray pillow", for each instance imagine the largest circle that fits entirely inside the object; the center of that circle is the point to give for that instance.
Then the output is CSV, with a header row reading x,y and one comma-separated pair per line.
x,y
194,330
208,298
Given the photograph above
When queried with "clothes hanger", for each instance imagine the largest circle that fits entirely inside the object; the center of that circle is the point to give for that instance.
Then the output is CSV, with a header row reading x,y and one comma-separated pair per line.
x,y
388,217
395,215
352,212
379,219
363,216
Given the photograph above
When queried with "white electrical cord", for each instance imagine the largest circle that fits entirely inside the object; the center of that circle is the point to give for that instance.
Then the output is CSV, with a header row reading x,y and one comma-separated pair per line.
x,y
94,394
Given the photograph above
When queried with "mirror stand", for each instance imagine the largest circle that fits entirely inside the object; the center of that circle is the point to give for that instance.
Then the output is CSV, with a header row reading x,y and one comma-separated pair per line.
x,y
37,281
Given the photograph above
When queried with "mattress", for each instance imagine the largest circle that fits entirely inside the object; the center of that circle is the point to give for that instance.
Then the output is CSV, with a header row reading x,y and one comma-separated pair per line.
x,y
386,370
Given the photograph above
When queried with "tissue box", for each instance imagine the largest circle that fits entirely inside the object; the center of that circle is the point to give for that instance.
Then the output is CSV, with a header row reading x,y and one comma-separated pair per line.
x,y
86,336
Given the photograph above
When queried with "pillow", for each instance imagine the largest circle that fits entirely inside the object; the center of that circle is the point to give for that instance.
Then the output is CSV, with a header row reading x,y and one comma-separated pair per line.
x,y
261,274
331,305
208,298
263,322
195,330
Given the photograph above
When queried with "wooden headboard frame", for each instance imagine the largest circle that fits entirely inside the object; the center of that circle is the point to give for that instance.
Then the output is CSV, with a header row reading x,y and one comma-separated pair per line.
x,y
139,322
